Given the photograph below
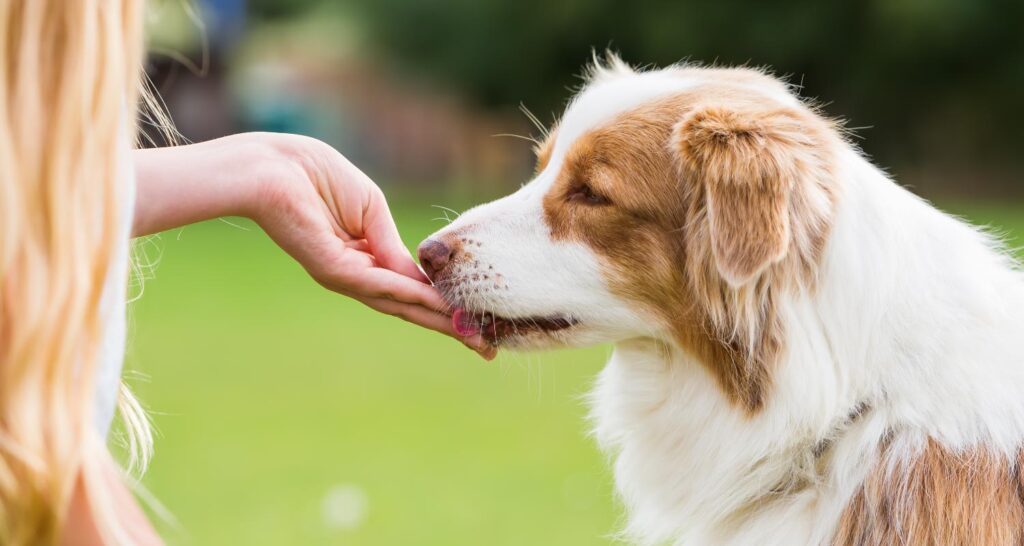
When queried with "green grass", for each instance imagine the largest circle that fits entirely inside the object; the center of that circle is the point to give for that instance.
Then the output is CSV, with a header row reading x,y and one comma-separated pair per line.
x,y
277,401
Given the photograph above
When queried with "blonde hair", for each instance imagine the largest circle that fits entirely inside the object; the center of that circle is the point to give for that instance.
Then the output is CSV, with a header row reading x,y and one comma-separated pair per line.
x,y
69,84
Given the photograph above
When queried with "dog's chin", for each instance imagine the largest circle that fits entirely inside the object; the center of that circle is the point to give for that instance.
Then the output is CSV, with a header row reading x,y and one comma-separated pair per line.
x,y
526,332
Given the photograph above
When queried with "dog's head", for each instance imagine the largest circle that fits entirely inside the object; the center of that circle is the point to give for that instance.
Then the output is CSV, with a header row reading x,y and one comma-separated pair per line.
x,y
673,204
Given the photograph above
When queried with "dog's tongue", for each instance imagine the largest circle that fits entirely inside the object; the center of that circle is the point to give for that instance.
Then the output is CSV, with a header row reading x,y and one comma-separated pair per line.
x,y
464,323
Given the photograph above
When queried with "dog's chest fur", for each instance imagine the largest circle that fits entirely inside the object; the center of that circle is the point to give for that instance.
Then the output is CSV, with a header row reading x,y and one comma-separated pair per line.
x,y
691,471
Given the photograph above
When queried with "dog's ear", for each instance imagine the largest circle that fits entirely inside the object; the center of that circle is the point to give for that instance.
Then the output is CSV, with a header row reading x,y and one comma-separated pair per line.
x,y
745,160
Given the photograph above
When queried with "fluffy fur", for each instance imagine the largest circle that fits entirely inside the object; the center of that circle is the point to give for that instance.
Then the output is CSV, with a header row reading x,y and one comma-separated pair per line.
x,y
805,352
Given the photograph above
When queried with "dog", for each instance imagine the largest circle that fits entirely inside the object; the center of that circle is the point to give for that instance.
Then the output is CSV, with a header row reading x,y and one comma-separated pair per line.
x,y
805,352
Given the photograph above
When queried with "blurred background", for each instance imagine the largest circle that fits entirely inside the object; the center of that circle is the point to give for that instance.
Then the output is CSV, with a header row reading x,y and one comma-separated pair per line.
x,y
288,415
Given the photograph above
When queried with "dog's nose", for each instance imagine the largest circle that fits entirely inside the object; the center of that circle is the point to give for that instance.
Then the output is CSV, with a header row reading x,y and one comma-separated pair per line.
x,y
434,256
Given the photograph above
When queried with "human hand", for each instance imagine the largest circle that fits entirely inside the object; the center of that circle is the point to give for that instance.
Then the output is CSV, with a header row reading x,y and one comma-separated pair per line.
x,y
315,204
329,216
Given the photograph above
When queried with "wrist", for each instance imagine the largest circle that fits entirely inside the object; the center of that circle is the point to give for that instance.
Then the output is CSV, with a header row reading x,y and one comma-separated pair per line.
x,y
181,185
277,166
249,175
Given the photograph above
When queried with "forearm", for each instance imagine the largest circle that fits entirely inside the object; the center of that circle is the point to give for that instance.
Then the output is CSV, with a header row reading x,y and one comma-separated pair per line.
x,y
186,184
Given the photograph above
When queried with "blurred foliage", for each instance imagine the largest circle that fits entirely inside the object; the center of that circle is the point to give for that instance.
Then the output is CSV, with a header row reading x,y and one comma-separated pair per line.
x,y
276,8
917,70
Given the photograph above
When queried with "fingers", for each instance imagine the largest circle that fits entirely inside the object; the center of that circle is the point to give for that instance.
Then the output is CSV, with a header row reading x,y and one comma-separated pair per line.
x,y
373,265
377,282
384,240
397,295
361,211
431,320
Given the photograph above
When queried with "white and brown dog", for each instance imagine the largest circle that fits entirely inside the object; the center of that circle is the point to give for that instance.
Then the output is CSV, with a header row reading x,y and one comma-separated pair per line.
x,y
805,353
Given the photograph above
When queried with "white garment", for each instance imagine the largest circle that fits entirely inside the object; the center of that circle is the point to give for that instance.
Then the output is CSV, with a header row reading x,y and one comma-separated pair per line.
x,y
113,302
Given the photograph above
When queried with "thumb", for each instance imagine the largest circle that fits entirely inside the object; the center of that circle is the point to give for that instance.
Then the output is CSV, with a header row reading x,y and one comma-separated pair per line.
x,y
386,244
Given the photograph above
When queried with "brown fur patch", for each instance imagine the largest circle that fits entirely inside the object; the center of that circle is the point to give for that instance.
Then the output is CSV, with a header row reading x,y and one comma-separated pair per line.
x,y
543,150
661,166
736,156
937,498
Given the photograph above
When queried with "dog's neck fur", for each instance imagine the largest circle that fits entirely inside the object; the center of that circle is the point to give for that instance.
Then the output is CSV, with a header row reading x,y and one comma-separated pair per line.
x,y
893,346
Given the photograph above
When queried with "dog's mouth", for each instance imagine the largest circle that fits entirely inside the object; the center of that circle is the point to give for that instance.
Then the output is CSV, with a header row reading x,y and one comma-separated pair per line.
x,y
495,328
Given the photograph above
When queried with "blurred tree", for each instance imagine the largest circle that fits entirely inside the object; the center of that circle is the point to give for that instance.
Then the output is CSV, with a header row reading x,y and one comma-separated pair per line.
x,y
932,77
274,9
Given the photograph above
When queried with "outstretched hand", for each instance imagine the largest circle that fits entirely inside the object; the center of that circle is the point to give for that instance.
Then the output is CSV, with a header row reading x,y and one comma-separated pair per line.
x,y
335,221
325,213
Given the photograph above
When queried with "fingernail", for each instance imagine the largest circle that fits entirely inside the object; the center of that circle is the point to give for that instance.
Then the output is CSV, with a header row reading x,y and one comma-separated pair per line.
x,y
487,352
481,347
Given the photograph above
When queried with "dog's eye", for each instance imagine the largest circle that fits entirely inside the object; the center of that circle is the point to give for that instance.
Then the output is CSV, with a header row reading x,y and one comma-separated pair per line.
x,y
584,194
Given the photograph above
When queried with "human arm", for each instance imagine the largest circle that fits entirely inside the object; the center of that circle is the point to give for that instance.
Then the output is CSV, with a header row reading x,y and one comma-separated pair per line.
x,y
310,200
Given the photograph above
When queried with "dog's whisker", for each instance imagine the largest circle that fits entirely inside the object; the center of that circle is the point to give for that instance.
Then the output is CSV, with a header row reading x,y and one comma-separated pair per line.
x,y
446,211
530,139
534,120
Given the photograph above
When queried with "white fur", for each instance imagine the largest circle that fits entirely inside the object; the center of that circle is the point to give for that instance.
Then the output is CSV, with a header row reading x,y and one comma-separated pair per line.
x,y
917,316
